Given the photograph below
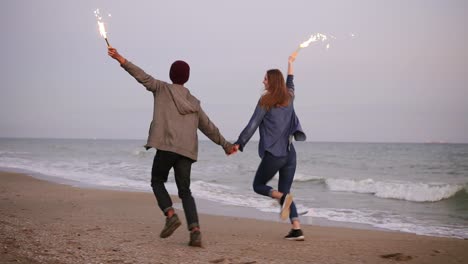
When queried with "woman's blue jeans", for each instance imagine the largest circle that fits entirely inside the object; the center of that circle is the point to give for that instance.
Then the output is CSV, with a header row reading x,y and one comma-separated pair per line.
x,y
269,166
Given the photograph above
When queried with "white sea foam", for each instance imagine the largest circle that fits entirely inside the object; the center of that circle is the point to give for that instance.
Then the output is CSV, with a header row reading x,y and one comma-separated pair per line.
x,y
409,191
299,177
12,153
380,219
79,172
230,196
142,152
208,168
389,221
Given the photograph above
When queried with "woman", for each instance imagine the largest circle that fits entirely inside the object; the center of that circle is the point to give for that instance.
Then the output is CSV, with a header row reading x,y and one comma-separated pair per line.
x,y
278,124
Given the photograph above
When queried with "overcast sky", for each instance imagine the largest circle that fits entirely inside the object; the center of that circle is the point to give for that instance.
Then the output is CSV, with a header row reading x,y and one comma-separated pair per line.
x,y
402,78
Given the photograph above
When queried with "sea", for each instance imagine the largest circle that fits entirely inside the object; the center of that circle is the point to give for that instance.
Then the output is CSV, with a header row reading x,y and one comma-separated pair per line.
x,y
419,188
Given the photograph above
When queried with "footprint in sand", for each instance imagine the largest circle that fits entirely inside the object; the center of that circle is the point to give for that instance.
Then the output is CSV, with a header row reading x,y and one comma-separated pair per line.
x,y
224,260
221,260
397,256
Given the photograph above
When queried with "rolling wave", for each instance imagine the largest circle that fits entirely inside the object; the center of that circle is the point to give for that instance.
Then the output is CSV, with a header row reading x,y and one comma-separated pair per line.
x,y
306,178
409,191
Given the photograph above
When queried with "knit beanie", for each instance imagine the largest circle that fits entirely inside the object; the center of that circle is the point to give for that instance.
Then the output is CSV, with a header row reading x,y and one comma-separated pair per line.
x,y
180,72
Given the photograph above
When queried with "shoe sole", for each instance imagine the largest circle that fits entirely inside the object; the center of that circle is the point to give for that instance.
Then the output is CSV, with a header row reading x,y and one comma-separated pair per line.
x,y
285,209
300,238
195,244
170,229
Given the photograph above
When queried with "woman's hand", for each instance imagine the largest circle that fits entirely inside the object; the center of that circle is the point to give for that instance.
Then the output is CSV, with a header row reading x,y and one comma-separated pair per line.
x,y
292,57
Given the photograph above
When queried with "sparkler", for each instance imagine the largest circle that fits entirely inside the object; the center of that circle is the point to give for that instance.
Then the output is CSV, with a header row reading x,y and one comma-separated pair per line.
x,y
102,28
313,38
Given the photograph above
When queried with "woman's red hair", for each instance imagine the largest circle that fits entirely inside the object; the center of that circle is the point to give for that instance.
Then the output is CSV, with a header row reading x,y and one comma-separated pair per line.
x,y
277,93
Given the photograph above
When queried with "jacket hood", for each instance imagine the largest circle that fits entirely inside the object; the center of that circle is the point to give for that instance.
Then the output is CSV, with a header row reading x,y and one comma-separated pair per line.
x,y
184,101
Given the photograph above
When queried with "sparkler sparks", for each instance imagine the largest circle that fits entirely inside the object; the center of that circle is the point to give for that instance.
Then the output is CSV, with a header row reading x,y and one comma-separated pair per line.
x,y
102,28
319,37
314,38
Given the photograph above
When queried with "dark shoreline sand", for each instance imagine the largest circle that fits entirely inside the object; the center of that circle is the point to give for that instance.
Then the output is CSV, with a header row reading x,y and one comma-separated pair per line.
x,y
44,222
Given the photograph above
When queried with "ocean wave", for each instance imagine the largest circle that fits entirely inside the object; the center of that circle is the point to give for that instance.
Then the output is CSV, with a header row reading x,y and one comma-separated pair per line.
x,y
83,172
306,178
415,192
230,196
299,177
381,219
142,152
12,153
389,221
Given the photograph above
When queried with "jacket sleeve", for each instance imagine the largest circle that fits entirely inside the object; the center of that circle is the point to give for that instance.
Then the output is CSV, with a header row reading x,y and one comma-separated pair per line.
x,y
151,84
251,127
211,131
290,84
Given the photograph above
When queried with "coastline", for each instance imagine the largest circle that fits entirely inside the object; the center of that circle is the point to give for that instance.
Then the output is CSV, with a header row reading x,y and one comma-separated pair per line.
x,y
45,222
203,205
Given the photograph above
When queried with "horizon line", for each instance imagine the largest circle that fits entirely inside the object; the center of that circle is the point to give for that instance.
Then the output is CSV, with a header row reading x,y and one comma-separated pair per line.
x,y
253,140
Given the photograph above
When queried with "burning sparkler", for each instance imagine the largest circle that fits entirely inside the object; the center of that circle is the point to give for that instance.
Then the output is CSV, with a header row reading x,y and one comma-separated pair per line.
x,y
314,38
102,28
319,37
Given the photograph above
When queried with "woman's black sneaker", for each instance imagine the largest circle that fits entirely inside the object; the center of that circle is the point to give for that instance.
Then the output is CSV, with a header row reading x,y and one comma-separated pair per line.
x,y
295,234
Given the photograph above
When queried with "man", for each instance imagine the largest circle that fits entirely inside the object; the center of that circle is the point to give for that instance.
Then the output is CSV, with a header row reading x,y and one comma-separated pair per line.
x,y
173,132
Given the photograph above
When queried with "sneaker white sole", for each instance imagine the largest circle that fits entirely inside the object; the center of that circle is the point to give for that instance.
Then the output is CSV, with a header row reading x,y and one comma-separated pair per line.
x,y
300,238
285,209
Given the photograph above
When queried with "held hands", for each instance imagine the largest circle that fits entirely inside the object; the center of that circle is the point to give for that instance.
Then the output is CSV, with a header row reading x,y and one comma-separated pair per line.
x,y
112,52
231,149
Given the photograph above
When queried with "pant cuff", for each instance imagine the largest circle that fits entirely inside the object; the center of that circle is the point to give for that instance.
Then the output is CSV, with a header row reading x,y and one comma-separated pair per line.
x,y
270,192
167,210
192,225
294,219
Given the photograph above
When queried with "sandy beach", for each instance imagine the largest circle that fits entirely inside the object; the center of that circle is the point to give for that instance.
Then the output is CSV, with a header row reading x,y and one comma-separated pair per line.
x,y
45,222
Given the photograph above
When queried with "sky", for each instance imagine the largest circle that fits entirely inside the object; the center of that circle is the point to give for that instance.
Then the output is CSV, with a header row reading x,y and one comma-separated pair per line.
x,y
403,77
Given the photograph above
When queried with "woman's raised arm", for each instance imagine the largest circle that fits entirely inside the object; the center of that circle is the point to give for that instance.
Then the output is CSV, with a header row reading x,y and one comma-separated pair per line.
x,y
291,59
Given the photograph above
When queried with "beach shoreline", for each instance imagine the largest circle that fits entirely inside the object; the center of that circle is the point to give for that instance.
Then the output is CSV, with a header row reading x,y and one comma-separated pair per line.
x,y
46,222
204,205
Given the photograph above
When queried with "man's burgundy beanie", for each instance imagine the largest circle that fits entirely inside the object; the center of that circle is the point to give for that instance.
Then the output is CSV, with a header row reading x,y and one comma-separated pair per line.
x,y
180,72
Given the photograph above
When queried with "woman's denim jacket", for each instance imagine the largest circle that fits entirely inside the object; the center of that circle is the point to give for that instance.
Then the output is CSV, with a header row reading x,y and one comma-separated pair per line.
x,y
277,127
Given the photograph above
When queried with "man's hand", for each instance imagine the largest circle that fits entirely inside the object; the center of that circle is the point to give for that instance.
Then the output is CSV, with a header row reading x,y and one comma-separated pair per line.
x,y
115,55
